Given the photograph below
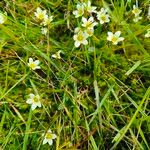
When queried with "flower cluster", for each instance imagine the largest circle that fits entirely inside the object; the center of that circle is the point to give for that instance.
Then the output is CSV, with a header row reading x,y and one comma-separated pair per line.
x,y
136,11
44,19
86,28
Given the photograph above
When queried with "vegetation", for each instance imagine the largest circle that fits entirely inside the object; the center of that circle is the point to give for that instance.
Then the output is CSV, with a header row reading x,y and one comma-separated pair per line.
x,y
86,90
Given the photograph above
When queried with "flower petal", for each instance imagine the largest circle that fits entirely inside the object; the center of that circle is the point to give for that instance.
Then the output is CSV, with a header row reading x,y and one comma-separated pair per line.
x,y
121,39
110,33
29,101
77,44
50,142
31,95
30,60
45,141
33,106
54,136
37,62
118,33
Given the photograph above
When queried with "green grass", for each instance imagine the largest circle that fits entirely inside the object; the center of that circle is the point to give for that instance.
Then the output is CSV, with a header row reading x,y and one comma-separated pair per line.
x,y
96,97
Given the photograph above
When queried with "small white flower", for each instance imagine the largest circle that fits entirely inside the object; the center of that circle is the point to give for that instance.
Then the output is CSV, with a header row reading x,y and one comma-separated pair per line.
x,y
136,11
90,23
89,32
89,8
115,38
147,35
80,10
47,20
44,31
40,14
80,38
34,100
34,64
49,137
3,18
102,16
137,18
57,55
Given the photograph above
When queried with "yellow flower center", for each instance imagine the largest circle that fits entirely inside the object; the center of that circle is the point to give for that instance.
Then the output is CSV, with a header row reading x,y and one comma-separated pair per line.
x,y
80,37
48,136
89,32
80,11
114,39
35,99
103,17
40,16
136,11
32,65
88,24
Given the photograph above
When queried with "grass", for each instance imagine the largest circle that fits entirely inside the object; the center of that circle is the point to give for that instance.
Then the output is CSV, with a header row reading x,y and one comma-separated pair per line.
x,y
96,97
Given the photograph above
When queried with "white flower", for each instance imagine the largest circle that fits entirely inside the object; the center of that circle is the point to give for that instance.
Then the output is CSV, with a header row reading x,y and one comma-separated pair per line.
x,y
136,11
40,14
47,20
44,31
57,55
80,10
90,23
49,137
80,38
89,32
3,18
115,38
137,18
102,16
34,100
147,35
34,64
89,8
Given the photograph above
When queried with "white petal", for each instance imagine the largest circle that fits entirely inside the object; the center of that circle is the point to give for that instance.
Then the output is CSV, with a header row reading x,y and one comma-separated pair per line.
x,y
75,12
45,141
89,3
75,37
101,22
39,104
77,44
49,131
37,62
33,106
54,136
121,39
84,20
38,9
29,101
118,33
50,142
115,43
85,42
37,67
31,95
91,19
110,34
30,60
95,23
